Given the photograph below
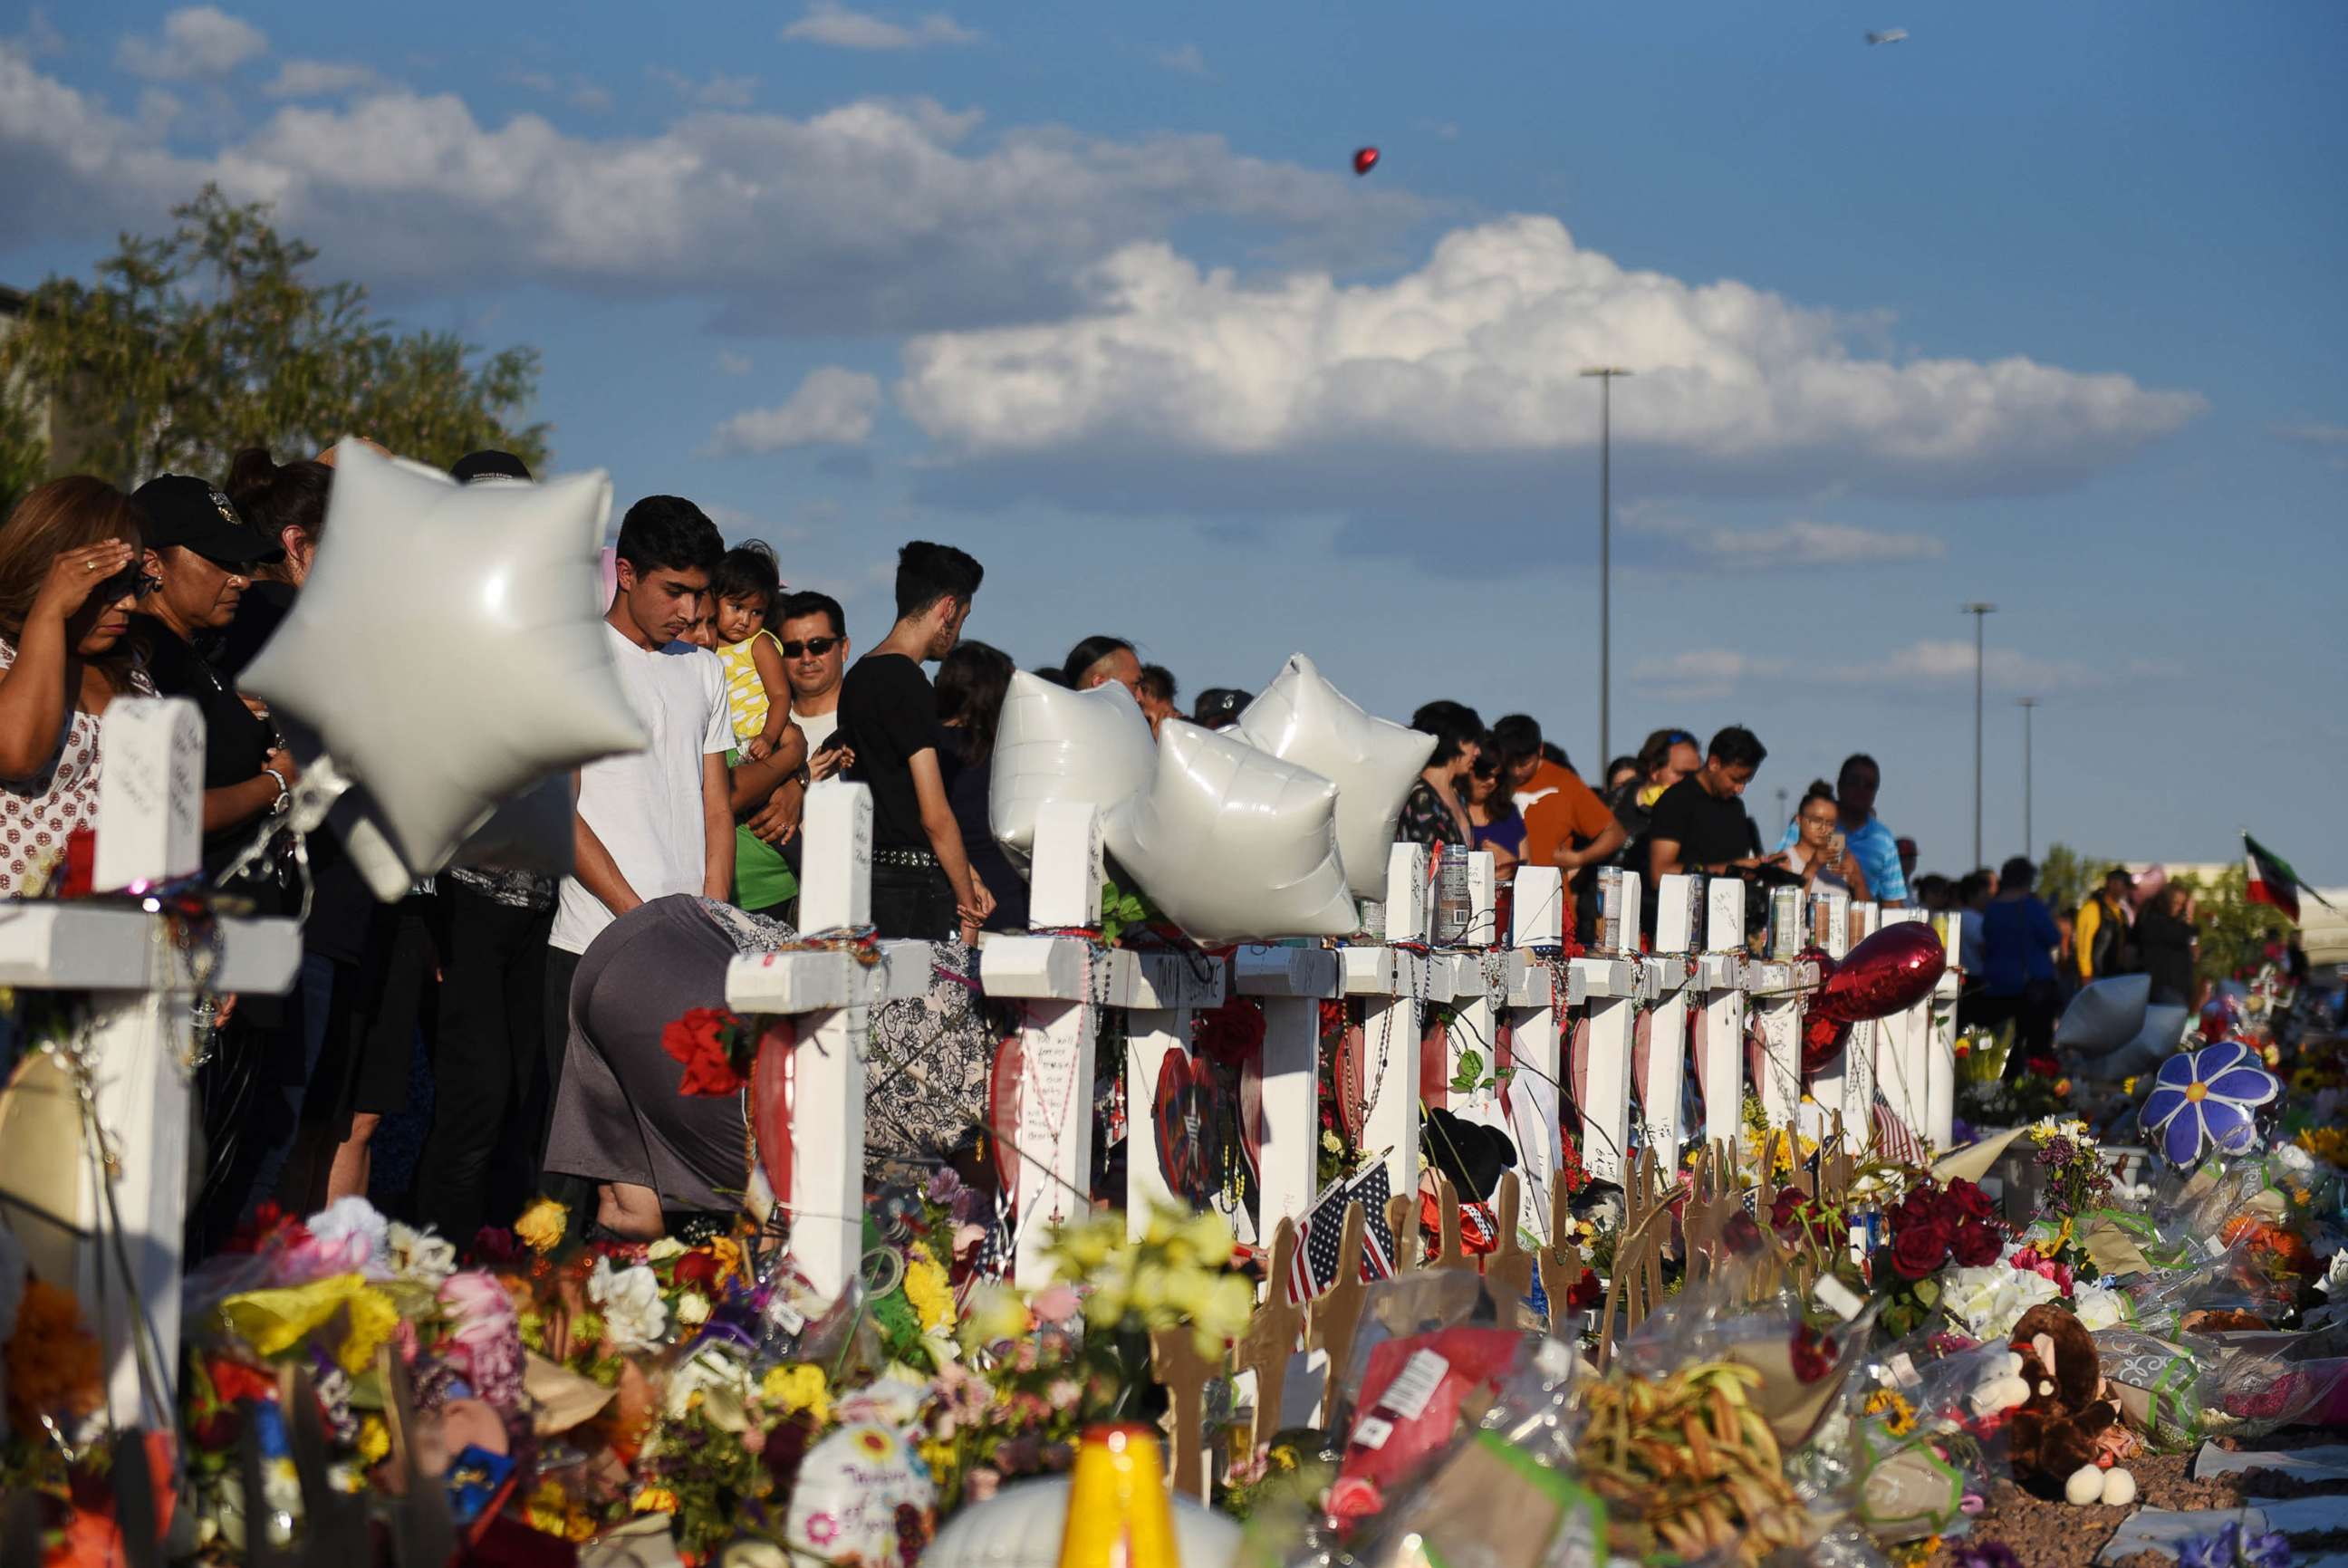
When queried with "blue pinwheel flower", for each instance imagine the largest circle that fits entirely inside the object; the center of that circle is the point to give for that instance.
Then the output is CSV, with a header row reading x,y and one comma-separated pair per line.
x,y
2206,1097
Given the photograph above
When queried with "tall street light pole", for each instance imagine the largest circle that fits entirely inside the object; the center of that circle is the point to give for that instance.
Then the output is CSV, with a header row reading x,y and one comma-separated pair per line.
x,y
1980,614
2025,705
1605,374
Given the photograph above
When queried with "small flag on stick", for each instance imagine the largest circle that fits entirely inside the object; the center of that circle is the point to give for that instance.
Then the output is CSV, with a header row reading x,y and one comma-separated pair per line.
x,y
2273,883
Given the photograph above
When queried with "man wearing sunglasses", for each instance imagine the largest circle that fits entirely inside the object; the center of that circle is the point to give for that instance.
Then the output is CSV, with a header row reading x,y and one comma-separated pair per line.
x,y
813,631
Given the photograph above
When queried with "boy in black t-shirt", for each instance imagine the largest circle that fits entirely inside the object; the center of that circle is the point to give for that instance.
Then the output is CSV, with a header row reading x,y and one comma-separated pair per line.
x,y
1699,824
922,885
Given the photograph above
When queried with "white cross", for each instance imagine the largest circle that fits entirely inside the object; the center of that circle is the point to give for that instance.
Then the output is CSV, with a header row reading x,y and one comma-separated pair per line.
x,y
1846,1081
1673,969
1721,978
1903,1055
1614,981
1060,981
1940,1024
832,995
1477,976
1291,982
1545,988
140,1046
1394,981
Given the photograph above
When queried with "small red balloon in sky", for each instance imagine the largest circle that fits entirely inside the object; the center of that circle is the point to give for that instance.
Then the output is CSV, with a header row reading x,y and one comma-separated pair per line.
x,y
1365,160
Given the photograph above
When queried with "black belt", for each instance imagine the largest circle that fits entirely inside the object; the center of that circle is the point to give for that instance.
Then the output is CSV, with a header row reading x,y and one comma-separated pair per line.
x,y
917,860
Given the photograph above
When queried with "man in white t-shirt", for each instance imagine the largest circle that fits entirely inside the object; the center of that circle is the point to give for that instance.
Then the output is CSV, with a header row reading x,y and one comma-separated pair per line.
x,y
651,822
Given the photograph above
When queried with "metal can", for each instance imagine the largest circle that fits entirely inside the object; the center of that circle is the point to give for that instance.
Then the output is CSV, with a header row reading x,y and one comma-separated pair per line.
x,y
1608,937
1785,922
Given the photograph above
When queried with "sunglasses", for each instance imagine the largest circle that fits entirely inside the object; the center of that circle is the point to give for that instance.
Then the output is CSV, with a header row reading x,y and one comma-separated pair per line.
x,y
816,646
133,582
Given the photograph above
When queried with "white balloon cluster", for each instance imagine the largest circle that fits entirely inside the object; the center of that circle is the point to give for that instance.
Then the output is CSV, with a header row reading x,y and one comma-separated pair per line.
x,y
1302,718
449,652
1269,829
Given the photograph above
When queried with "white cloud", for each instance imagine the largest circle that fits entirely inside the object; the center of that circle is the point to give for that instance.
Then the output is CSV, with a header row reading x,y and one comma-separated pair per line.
x,y
830,23
2311,434
1448,376
1186,58
319,79
832,406
720,91
1798,543
196,41
1697,673
1949,661
877,216
732,364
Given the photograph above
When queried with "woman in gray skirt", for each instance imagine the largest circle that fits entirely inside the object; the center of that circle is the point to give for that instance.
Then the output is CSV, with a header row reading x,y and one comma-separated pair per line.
x,y
659,1156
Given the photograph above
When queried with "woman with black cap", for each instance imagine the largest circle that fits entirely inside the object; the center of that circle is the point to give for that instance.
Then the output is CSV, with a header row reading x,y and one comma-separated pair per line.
x,y
202,556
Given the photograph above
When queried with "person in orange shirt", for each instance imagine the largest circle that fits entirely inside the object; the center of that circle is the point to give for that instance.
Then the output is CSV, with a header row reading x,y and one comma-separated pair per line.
x,y
1570,827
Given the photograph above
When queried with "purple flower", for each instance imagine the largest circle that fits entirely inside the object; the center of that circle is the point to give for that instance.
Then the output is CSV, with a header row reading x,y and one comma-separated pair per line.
x,y
1984,1554
2231,1547
2208,1097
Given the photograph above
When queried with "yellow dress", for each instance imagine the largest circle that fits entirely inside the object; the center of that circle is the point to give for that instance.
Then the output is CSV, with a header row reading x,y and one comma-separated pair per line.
x,y
746,693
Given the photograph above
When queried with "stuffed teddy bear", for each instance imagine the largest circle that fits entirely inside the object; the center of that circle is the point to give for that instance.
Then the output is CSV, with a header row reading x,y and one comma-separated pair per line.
x,y
2068,1434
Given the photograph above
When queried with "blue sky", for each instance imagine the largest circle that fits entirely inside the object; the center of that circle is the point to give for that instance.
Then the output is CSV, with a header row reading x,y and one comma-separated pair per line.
x,y
2040,307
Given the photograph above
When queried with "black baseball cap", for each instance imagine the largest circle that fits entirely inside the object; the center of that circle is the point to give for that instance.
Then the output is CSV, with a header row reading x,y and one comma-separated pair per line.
x,y
181,508
488,465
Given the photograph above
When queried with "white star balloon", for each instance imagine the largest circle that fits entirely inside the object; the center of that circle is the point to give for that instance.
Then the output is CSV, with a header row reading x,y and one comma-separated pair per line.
x,y
1302,718
1232,843
1052,744
445,644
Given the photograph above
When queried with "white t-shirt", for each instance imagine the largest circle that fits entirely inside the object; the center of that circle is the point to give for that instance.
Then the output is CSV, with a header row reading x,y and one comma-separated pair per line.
x,y
645,806
817,728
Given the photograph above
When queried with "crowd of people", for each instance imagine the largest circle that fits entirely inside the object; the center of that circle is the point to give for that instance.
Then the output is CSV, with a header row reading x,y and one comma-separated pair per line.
x,y
533,1005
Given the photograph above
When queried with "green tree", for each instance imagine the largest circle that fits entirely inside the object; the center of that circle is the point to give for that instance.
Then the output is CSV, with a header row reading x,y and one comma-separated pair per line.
x,y
216,337
2234,931
23,454
2064,878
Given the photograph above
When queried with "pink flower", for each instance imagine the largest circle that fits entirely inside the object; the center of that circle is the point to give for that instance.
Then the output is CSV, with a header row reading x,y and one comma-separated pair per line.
x,y
1056,1303
485,1340
313,1258
754,1440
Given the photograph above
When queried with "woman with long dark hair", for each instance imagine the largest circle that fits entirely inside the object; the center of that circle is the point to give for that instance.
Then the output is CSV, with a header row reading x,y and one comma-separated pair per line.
x,y
971,685
1433,814
69,575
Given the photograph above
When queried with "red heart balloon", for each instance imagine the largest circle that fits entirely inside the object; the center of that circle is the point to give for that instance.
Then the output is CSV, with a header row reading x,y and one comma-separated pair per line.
x,y
1365,160
1889,972
770,1104
1003,1114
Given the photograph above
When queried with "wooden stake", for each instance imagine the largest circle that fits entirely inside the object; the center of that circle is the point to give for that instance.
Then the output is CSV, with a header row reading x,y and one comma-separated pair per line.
x,y
1336,1314
1174,1362
1271,1339
1508,1271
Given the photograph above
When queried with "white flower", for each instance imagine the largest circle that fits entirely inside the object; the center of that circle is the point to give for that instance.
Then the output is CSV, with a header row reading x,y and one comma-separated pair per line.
x,y
2295,1162
1988,1301
420,1255
692,1309
718,1376
2098,1308
353,1216
2334,1283
634,1317
668,1247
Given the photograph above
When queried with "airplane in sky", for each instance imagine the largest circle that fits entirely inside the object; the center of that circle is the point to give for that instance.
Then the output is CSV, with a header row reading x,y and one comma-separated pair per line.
x,y
1888,36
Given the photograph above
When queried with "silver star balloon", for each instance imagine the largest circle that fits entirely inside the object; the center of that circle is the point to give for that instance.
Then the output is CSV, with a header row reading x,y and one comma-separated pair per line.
x,y
446,646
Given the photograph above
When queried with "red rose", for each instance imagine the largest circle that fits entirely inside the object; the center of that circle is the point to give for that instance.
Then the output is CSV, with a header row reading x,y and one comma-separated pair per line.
x,y
1813,1354
1786,1215
701,1041
1741,1236
1586,1292
1920,1250
1976,1244
1230,1034
1972,1202
696,1269
1919,1208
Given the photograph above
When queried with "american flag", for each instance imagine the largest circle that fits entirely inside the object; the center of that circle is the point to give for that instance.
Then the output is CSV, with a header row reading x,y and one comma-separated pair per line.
x,y
1314,1267
1894,1139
